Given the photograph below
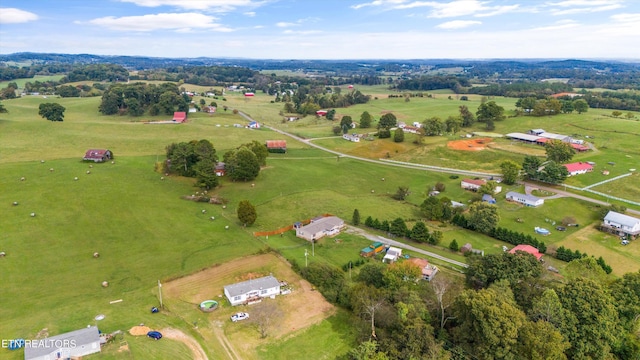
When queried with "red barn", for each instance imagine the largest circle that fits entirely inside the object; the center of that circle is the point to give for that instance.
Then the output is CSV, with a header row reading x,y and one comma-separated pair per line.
x,y
321,112
277,146
179,116
248,94
98,155
528,249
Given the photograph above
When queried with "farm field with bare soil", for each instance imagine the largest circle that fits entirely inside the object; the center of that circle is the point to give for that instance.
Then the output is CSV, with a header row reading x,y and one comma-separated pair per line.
x,y
302,308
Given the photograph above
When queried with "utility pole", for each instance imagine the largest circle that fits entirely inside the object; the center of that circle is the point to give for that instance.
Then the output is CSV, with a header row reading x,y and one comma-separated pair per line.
x,y
160,292
349,270
313,248
306,253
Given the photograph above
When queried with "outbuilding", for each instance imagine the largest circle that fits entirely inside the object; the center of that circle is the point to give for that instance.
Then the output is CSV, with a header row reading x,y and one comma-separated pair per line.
x,y
98,155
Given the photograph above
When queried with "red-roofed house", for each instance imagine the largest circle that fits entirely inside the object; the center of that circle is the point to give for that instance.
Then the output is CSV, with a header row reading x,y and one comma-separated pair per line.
x,y
472,184
321,112
179,116
248,94
98,155
277,146
528,249
578,168
428,271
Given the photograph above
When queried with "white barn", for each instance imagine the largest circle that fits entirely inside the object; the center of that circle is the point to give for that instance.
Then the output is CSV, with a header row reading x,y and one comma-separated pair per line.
x,y
252,290
71,345
524,199
319,228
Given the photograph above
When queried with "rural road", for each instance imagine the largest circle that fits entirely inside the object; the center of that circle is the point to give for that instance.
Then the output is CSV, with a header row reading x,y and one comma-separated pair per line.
x,y
355,230
576,196
433,168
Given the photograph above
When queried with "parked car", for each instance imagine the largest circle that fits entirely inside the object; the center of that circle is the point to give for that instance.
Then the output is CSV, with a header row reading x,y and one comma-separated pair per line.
x,y
561,228
156,335
239,316
625,242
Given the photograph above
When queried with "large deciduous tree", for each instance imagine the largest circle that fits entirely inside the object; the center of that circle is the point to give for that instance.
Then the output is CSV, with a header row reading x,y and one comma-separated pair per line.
x,y
540,341
387,121
483,216
489,113
242,164
398,136
467,116
510,172
51,111
553,173
591,325
433,126
489,323
559,151
247,213
365,120
581,105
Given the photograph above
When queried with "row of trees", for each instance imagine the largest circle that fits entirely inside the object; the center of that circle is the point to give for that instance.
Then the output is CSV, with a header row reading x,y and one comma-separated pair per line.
x,y
398,227
551,106
137,98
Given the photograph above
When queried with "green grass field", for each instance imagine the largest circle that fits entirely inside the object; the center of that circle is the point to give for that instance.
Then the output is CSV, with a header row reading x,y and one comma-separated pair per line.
x,y
145,232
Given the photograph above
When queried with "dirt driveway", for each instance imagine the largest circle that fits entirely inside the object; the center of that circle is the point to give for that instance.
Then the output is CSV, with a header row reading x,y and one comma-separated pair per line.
x,y
174,334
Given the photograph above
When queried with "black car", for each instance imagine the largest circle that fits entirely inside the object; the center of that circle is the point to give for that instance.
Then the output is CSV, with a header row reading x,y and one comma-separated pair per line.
x,y
561,228
156,335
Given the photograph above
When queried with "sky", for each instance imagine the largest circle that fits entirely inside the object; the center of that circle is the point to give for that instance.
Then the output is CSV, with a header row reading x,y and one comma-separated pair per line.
x,y
325,29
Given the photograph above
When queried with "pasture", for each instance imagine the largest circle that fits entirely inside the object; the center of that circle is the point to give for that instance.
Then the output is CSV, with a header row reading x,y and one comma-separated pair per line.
x,y
145,232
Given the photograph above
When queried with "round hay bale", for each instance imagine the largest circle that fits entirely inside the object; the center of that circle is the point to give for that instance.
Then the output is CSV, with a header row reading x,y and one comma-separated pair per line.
x,y
15,203
96,255
113,162
3,254
88,172
204,211
90,166
372,191
51,169
22,178
33,214
226,227
41,161
224,206
161,177
75,178
105,283
253,185
213,218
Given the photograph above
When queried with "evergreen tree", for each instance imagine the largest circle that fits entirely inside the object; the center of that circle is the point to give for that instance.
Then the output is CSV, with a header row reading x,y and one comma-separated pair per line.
x,y
355,220
247,213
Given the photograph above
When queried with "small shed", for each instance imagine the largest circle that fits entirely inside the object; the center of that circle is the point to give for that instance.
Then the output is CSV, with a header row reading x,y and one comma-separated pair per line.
x,y
488,198
392,255
466,248
254,125
220,170
249,94
276,146
321,112
98,155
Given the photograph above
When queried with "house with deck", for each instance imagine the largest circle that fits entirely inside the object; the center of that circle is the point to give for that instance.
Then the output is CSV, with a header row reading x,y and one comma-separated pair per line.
x,y
276,146
253,290
524,199
392,255
427,271
320,227
621,224
71,345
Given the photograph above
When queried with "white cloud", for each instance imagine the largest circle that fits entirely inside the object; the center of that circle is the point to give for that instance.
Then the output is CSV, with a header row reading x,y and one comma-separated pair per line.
x,y
283,24
458,24
216,5
165,21
249,13
586,9
304,32
626,17
453,8
16,16
573,3
558,25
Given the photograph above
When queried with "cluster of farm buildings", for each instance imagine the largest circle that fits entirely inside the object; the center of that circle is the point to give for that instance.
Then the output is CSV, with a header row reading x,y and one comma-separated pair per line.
x,y
541,137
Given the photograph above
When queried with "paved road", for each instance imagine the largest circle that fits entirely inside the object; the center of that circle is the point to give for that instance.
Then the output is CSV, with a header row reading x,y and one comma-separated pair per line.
x,y
355,230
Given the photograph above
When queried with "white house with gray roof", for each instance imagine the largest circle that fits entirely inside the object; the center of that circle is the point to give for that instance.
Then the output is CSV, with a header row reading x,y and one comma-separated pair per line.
x,y
524,199
252,290
621,224
71,345
319,228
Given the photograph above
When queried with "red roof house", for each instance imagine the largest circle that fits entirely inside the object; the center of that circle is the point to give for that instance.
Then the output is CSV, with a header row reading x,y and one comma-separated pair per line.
x,y
578,168
580,148
472,184
321,112
528,249
98,155
248,94
179,116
